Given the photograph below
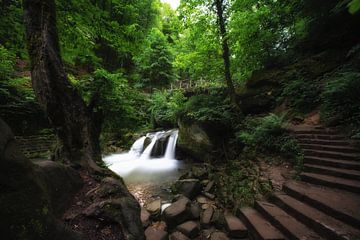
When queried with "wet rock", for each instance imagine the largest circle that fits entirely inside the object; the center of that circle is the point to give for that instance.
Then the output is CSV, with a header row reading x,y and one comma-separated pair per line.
x,y
188,187
154,208
205,219
235,227
178,212
218,236
160,225
199,172
204,200
209,195
218,219
194,141
152,233
195,210
145,217
124,211
209,186
189,228
178,236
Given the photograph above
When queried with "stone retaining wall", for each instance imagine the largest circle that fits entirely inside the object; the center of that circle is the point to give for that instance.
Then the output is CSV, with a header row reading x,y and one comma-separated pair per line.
x,y
37,146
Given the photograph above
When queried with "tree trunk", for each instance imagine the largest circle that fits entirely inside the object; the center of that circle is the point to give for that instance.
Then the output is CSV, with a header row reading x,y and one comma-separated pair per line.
x,y
74,122
226,51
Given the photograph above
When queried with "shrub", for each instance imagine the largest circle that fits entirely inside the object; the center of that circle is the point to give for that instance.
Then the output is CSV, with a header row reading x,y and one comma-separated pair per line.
x,y
341,100
165,106
7,61
300,94
267,135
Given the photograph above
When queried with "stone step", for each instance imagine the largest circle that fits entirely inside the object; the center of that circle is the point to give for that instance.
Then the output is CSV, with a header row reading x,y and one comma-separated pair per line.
x,y
331,181
333,171
324,225
345,164
259,228
342,205
331,154
342,149
320,136
326,142
288,225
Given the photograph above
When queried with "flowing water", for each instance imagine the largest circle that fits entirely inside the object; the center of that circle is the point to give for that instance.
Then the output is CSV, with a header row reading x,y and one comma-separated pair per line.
x,y
150,166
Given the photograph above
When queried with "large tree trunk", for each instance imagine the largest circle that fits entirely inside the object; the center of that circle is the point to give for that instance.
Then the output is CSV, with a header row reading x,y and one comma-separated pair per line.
x,y
226,51
74,122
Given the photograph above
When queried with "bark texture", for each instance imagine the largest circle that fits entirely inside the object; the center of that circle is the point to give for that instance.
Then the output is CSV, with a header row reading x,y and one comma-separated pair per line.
x,y
75,123
226,51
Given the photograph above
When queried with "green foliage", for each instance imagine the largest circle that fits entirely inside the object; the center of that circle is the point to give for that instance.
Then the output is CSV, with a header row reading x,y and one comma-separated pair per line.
x,y
123,107
354,6
240,184
7,61
212,108
165,106
106,33
341,99
301,94
267,135
155,62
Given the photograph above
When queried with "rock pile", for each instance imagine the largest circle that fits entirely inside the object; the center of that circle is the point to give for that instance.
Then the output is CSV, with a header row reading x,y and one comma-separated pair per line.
x,y
192,214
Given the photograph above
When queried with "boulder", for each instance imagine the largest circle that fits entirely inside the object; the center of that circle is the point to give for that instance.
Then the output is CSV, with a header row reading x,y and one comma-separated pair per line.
x,y
218,219
26,210
178,212
199,172
188,187
145,217
195,210
235,226
189,228
154,208
219,236
178,236
209,186
113,201
205,219
193,141
152,233
61,183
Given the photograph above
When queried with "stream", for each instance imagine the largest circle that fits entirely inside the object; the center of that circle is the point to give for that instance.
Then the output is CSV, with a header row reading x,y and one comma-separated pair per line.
x,y
149,167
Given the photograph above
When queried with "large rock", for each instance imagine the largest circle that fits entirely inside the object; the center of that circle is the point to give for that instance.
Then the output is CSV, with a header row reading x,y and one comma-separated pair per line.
x,y
219,236
188,187
114,203
189,228
178,212
27,209
152,233
205,219
145,217
154,208
178,236
193,141
61,183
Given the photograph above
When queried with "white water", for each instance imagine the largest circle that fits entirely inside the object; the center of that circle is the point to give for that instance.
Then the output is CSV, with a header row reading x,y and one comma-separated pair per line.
x,y
137,165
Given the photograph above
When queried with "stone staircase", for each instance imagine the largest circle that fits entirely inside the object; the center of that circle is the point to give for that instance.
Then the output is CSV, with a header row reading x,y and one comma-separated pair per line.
x,y
325,204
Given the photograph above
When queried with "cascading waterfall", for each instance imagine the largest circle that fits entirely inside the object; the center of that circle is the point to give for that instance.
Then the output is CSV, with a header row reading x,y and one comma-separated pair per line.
x,y
151,157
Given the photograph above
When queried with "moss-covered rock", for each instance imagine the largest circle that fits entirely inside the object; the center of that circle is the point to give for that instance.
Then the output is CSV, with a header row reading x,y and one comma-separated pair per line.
x,y
193,141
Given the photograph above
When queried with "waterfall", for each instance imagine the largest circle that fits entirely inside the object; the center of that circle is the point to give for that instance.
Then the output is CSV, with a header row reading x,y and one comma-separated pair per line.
x,y
138,146
154,162
171,145
157,137
147,152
